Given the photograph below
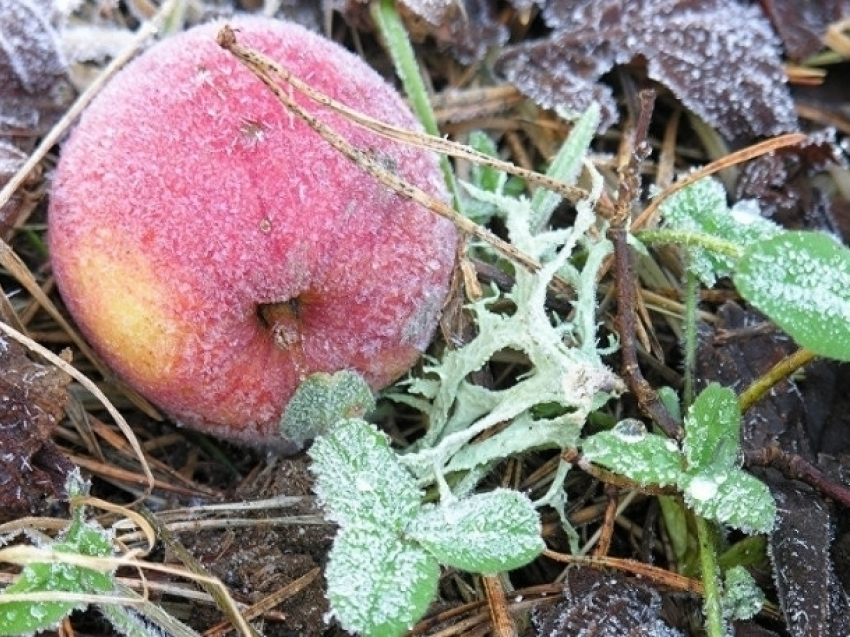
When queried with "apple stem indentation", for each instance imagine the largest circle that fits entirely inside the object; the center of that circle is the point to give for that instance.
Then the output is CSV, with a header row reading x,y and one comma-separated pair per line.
x,y
283,319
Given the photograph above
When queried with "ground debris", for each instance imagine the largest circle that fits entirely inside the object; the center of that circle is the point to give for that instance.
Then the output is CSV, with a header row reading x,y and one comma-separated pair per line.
x,y
467,28
604,605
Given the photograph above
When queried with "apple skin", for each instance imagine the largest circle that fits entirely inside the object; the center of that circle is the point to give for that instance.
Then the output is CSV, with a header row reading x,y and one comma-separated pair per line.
x,y
215,251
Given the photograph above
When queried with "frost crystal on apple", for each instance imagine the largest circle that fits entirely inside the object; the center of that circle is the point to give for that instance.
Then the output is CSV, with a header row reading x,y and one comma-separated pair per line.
x,y
259,254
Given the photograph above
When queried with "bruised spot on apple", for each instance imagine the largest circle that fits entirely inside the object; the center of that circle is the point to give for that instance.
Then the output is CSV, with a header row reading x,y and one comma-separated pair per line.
x,y
216,251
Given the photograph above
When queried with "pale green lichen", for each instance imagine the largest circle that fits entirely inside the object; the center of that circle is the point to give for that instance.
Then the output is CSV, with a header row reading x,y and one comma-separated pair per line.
x,y
565,366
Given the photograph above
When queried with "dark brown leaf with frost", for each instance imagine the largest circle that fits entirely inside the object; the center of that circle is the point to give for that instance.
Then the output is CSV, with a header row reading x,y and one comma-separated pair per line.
x,y
719,57
604,605
467,28
813,601
32,470
802,23
33,74
782,183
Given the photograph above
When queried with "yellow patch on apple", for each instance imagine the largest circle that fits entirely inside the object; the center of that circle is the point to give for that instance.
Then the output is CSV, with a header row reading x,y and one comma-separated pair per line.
x,y
124,303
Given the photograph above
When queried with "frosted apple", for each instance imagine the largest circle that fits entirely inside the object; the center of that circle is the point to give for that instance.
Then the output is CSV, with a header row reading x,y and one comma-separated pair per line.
x,y
215,251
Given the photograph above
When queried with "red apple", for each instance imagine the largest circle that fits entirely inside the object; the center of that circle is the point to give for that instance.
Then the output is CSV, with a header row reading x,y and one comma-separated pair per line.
x,y
215,250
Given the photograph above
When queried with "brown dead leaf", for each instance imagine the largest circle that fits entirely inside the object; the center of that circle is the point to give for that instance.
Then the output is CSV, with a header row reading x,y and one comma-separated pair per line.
x,y
782,182
11,160
33,397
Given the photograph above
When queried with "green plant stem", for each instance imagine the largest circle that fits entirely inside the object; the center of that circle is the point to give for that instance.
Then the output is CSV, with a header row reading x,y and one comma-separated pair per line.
x,y
396,40
691,291
779,372
690,240
710,578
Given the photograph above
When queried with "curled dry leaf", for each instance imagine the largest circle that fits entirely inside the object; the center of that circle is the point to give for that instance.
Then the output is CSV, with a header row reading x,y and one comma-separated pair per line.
x,y
688,45
32,470
33,73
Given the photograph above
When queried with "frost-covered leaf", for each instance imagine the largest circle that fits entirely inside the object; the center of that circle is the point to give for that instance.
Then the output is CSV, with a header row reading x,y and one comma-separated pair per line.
x,y
801,280
734,498
701,208
689,45
803,565
33,72
742,597
712,431
629,450
379,585
80,538
322,400
483,533
360,480
483,178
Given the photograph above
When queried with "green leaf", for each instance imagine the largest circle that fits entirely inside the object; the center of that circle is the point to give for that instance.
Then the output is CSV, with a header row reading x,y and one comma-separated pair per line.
x,y
748,551
734,498
742,597
701,208
629,450
379,585
712,431
360,479
485,177
801,280
81,538
679,523
484,533
322,400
